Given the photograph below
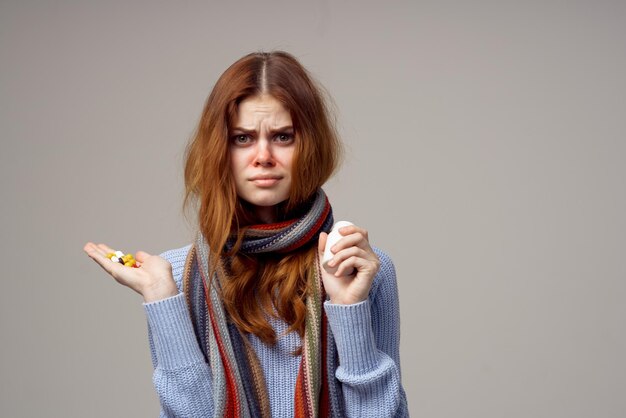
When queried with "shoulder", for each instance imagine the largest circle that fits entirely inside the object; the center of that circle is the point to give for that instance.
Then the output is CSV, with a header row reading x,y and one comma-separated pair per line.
x,y
176,258
385,279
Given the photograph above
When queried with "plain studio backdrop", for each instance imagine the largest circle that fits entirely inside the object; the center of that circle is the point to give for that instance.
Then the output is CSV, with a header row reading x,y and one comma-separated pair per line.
x,y
485,153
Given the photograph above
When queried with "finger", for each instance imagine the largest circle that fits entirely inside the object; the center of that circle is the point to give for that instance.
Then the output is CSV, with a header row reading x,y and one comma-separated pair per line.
x,y
141,256
106,248
353,265
88,247
356,239
353,229
347,253
348,267
91,247
95,253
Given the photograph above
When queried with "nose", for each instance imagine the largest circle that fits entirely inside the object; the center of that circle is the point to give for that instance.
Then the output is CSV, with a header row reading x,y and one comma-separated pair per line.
x,y
263,157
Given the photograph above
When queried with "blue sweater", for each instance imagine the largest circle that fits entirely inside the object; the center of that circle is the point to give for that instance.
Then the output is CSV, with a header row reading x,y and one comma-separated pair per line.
x,y
367,335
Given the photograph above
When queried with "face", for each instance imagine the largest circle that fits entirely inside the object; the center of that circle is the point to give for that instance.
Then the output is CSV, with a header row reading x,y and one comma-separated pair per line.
x,y
262,144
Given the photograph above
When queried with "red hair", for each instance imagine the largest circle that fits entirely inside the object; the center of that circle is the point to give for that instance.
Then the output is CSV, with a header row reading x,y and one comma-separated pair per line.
x,y
278,282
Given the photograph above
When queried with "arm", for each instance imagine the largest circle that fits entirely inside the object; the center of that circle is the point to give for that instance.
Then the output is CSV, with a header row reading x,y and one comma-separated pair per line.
x,y
367,335
182,378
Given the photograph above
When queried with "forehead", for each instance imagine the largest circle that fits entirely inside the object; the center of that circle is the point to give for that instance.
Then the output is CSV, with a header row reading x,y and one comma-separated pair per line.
x,y
255,110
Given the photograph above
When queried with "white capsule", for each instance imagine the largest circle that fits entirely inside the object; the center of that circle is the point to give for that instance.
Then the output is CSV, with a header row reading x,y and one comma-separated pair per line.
x,y
119,254
332,239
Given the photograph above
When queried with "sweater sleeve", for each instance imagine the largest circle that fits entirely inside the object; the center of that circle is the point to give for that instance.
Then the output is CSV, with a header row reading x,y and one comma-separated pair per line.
x,y
182,377
367,335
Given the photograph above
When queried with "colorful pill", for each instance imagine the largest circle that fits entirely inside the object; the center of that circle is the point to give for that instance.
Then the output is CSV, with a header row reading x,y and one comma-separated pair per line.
x,y
127,260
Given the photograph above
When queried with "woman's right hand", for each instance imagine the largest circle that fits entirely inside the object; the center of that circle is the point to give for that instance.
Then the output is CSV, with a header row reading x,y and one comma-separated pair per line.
x,y
152,279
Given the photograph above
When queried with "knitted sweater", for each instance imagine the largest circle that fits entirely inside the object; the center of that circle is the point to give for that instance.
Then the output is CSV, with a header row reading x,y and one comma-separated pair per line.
x,y
367,335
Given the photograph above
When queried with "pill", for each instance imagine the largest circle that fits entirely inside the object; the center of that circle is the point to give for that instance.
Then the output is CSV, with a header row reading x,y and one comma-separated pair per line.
x,y
333,237
127,260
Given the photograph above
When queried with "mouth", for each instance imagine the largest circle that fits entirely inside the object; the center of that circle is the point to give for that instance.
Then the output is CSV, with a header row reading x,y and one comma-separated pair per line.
x,y
265,181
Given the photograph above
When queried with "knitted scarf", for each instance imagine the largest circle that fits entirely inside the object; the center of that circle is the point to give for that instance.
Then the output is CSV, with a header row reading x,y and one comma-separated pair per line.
x,y
239,388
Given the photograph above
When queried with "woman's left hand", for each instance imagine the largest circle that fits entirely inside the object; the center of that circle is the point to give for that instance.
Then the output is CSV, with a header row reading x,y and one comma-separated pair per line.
x,y
356,262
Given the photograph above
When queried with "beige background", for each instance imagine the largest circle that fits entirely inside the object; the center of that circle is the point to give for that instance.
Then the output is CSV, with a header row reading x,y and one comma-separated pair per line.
x,y
486,155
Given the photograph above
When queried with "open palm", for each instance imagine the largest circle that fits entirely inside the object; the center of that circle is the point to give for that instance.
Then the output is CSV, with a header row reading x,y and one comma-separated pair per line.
x,y
152,279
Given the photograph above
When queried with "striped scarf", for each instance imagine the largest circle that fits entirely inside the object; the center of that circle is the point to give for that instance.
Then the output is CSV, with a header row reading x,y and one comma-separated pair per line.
x,y
239,388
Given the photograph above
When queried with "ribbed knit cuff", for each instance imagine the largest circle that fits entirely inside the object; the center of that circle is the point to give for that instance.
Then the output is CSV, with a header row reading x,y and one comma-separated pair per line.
x,y
175,343
352,328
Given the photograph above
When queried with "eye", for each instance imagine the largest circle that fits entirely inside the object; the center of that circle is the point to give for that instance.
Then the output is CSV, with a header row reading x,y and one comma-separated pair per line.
x,y
240,139
284,138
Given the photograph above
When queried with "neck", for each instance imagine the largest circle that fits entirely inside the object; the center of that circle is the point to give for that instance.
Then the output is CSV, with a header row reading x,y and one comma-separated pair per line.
x,y
266,214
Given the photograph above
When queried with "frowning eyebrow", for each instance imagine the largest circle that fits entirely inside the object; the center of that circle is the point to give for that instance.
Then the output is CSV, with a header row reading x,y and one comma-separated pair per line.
x,y
286,129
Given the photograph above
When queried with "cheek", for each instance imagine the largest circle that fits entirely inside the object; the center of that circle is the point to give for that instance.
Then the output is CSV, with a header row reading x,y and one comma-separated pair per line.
x,y
237,163
289,158
233,166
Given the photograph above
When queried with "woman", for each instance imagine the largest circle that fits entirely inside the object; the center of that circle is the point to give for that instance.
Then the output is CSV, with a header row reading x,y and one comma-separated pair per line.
x,y
245,322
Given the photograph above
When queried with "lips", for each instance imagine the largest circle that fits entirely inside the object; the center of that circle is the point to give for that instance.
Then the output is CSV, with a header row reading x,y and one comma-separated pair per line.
x,y
265,180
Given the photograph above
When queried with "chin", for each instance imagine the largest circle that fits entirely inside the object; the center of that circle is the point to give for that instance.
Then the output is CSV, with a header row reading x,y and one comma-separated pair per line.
x,y
260,199
266,202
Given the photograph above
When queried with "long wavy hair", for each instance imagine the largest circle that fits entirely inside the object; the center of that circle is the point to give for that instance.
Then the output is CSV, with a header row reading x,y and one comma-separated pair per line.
x,y
261,284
